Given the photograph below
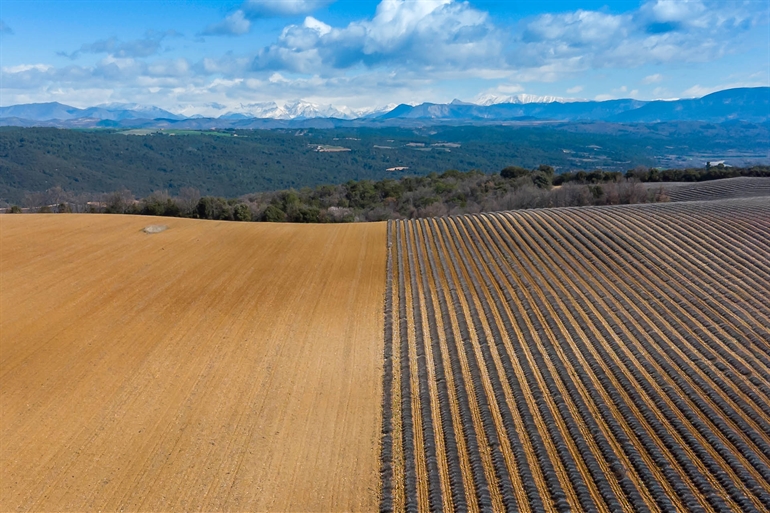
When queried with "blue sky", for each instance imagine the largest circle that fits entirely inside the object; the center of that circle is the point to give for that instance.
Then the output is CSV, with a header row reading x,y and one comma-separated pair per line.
x,y
207,57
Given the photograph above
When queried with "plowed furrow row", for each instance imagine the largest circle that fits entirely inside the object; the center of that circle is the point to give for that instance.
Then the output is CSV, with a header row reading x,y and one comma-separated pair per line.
x,y
707,441
386,441
614,412
580,359
426,414
742,187
481,499
454,467
407,422
712,328
707,283
668,426
592,452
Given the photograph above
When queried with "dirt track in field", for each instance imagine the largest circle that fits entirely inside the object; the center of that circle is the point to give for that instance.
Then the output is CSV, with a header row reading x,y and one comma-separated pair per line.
x,y
212,366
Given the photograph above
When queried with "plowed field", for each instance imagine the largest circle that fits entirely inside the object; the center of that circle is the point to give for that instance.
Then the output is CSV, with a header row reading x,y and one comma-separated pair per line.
x,y
593,359
582,359
726,188
213,366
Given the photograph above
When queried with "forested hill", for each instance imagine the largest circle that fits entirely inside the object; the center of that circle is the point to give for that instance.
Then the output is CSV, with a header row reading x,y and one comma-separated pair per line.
x,y
231,163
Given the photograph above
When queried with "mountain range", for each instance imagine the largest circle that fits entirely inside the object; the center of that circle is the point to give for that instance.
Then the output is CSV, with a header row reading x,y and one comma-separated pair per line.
x,y
742,104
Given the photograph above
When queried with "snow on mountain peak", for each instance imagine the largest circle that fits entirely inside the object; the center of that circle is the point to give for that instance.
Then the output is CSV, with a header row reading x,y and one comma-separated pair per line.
x,y
487,99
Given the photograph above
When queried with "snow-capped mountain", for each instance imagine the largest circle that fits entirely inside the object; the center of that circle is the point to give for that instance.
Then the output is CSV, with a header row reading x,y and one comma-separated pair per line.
x,y
260,110
747,104
300,109
488,99
297,109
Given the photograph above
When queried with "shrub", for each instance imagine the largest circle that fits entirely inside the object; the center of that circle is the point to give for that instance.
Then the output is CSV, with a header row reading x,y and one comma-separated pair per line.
x,y
160,204
210,207
303,214
541,180
273,214
119,202
514,172
241,212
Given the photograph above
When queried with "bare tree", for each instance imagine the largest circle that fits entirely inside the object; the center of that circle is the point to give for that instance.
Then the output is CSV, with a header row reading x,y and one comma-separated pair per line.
x,y
187,200
119,202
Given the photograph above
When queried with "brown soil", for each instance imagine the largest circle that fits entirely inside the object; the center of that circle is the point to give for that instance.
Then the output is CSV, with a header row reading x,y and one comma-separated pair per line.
x,y
213,366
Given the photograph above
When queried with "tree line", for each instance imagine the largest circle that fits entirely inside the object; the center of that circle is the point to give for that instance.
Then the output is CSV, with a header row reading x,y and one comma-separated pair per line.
x,y
645,174
449,193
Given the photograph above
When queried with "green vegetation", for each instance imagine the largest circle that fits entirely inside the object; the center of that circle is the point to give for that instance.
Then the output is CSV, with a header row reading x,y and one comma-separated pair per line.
x,y
231,163
695,175
643,174
449,193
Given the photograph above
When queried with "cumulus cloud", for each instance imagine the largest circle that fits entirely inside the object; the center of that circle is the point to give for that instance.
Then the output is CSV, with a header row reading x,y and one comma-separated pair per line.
x,y
579,29
435,36
240,21
432,33
660,16
406,51
5,29
659,32
233,25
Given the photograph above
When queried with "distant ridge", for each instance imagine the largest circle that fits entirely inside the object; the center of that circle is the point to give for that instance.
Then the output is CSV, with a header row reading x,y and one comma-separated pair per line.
x,y
60,112
742,104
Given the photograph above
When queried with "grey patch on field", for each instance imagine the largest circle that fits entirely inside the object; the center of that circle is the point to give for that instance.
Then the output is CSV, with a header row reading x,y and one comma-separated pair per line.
x,y
155,228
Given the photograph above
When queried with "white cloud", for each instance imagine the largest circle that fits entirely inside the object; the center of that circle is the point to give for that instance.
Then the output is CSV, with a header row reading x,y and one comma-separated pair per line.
x,y
169,68
652,79
432,34
260,8
27,67
672,11
659,32
430,50
233,25
577,28
697,91
239,22
144,47
661,93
